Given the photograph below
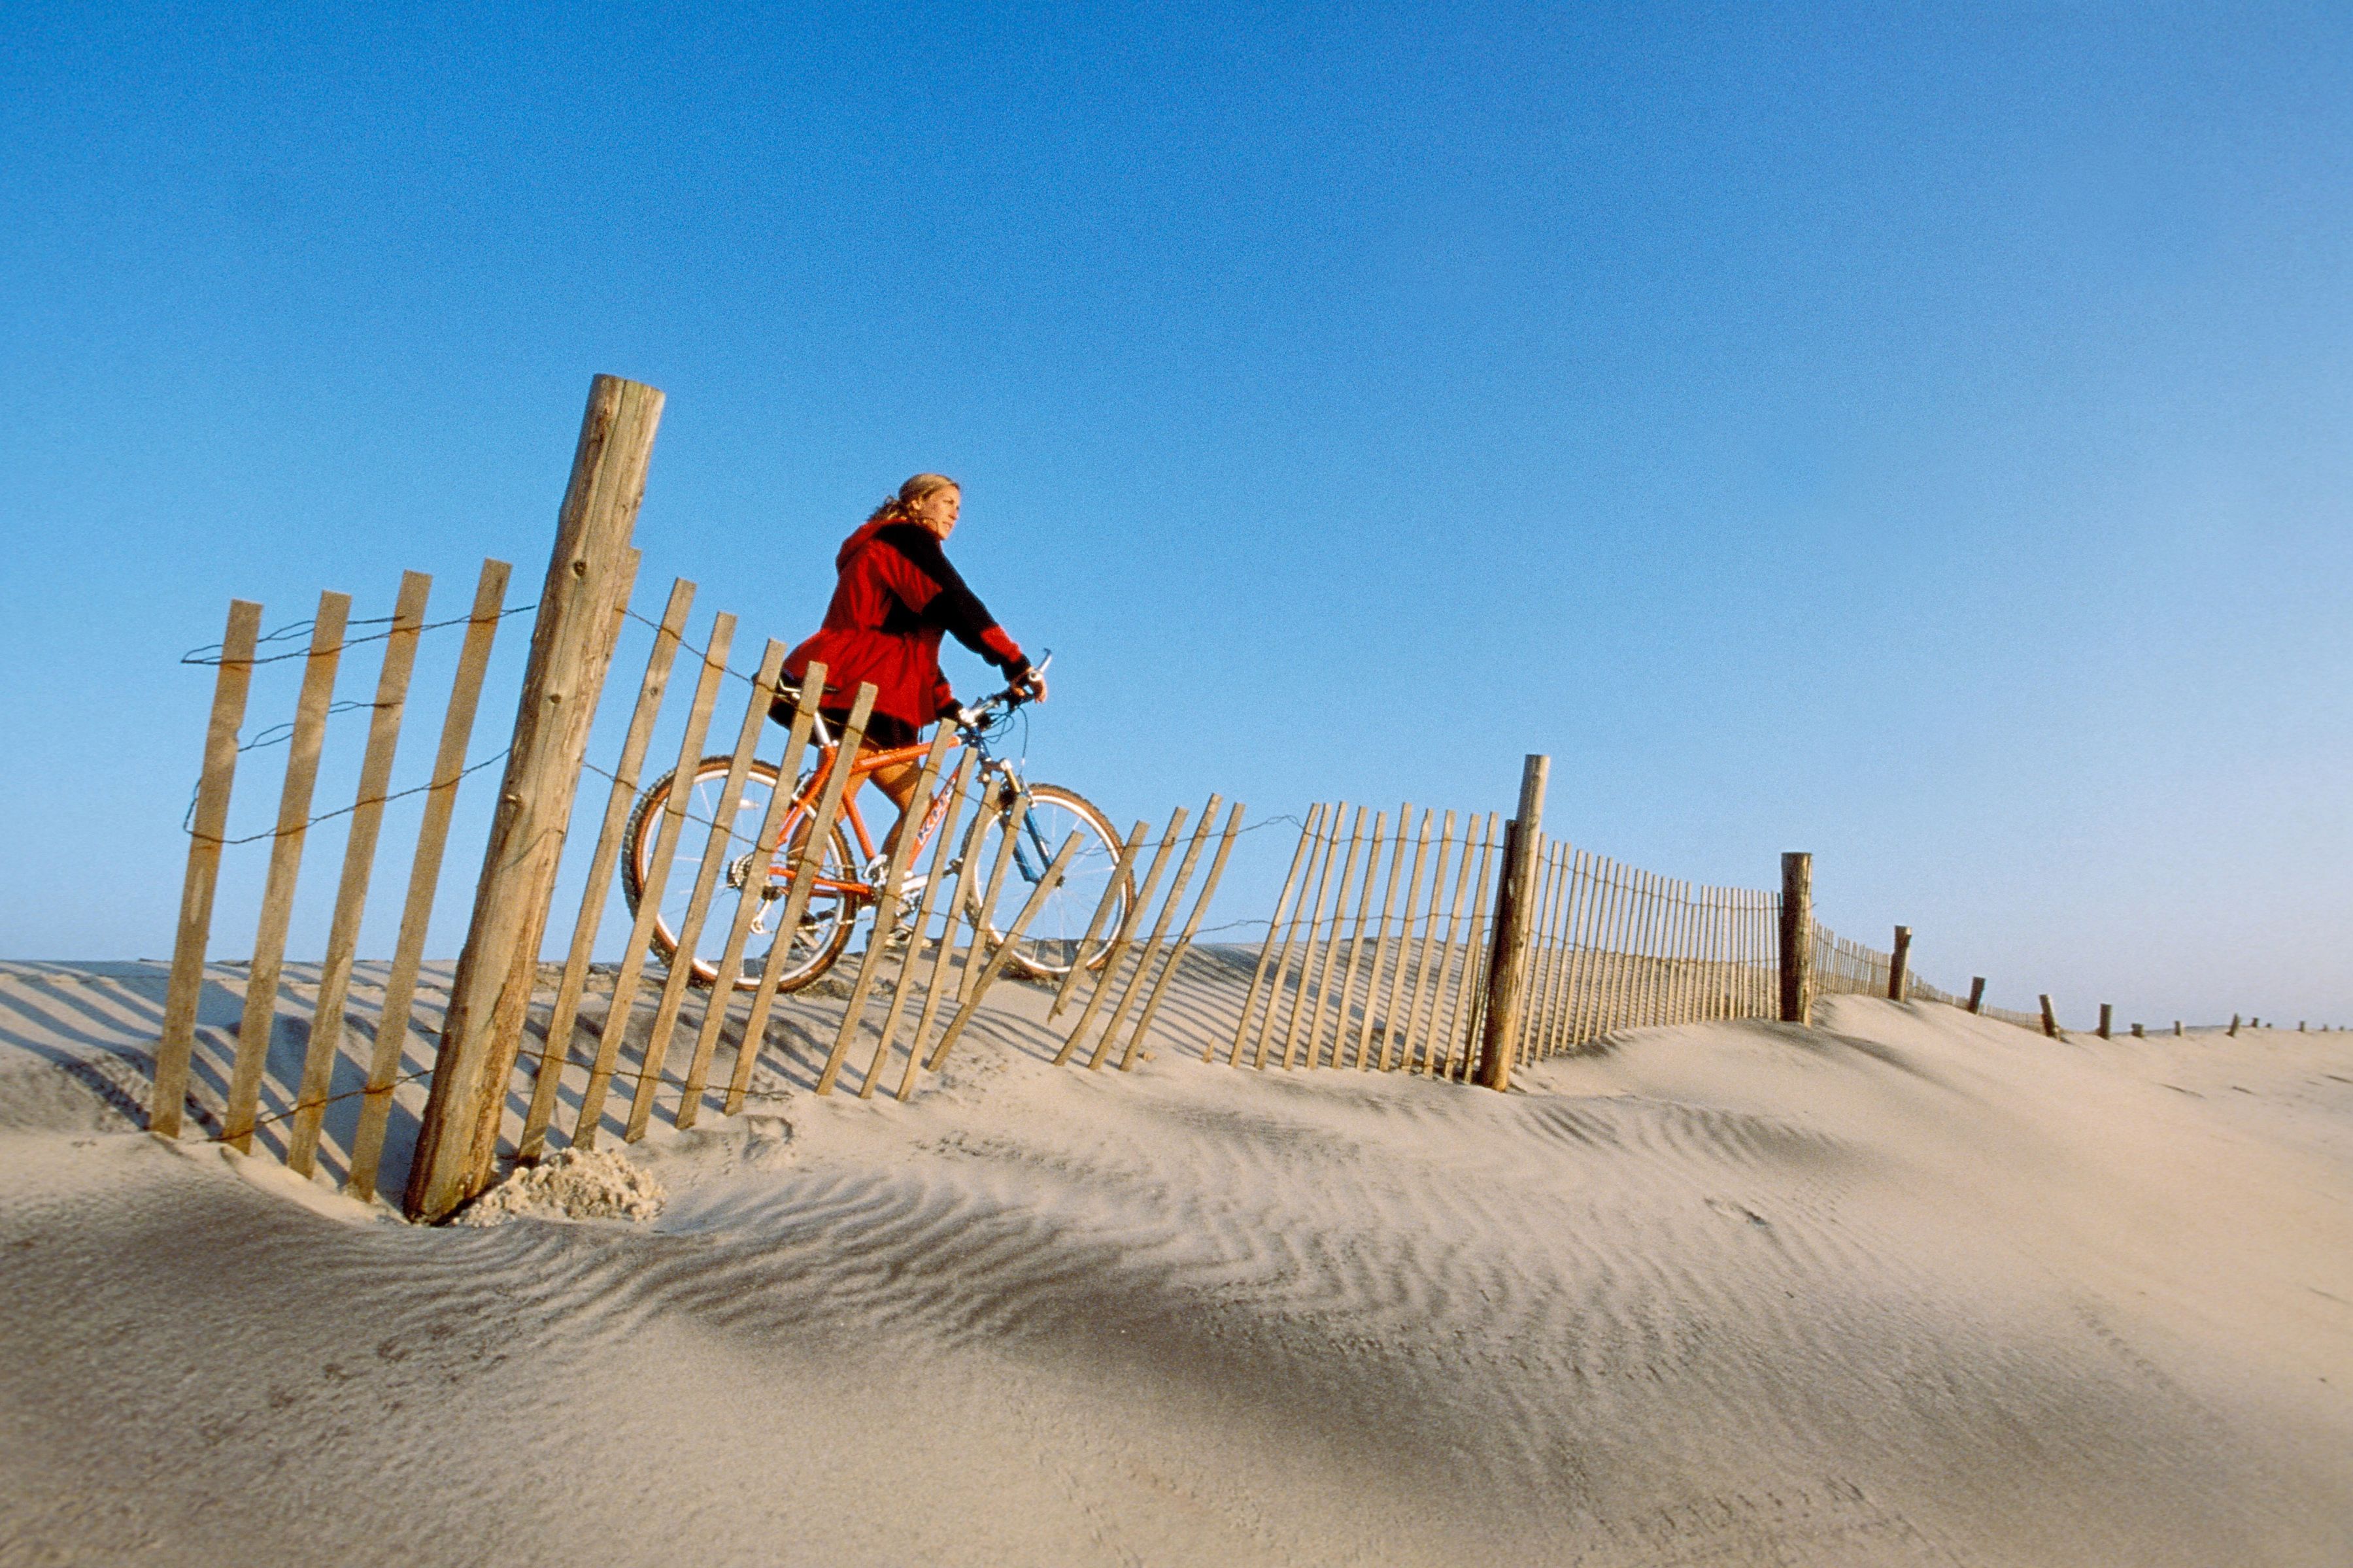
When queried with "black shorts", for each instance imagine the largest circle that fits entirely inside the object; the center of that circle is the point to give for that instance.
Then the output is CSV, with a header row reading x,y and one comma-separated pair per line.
x,y
883,732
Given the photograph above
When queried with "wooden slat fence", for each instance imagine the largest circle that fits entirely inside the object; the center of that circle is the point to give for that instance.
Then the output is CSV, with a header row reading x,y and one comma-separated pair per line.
x,y
1376,955
325,1077
1379,942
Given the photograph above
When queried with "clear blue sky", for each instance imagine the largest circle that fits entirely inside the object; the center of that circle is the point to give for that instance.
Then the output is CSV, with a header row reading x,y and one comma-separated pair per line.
x,y
1917,435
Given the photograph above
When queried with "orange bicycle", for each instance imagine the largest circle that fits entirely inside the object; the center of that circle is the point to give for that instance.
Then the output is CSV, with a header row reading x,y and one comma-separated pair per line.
x,y
846,885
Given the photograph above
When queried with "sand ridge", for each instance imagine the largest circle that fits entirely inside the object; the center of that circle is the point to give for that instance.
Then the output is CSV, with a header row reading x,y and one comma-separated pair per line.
x,y
1905,1288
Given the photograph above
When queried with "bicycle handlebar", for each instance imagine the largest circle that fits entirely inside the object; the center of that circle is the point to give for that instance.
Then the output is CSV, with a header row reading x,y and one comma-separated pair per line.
x,y
972,715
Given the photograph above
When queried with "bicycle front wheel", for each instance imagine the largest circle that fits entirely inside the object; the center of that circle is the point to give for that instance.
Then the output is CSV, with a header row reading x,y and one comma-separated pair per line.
x,y
824,927
1050,944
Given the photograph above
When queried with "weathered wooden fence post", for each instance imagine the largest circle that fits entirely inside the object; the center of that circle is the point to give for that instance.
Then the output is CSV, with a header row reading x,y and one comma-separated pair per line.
x,y
571,645
1796,936
1507,966
1898,962
2049,1019
2107,1012
1977,992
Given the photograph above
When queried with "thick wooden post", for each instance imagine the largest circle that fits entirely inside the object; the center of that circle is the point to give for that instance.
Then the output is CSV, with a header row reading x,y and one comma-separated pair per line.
x,y
2049,1019
1797,937
1977,994
1507,966
571,645
2233,1030
1898,964
2107,1012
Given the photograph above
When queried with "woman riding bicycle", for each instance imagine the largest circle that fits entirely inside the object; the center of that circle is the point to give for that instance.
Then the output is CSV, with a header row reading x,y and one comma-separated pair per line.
x,y
895,596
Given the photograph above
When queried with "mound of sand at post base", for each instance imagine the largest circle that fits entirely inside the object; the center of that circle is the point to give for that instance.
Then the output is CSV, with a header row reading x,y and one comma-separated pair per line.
x,y
1908,1287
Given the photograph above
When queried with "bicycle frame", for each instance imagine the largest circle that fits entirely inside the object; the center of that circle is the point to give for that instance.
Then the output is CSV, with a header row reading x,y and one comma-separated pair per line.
x,y
1030,853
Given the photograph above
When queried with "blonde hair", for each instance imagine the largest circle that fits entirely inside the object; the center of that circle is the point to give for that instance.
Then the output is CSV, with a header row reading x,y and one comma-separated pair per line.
x,y
901,507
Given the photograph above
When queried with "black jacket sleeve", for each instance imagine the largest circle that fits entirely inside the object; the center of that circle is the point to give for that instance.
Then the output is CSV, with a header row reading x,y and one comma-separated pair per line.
x,y
954,608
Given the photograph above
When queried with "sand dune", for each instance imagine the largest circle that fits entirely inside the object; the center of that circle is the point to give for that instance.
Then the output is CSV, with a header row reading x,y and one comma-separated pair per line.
x,y
1906,1287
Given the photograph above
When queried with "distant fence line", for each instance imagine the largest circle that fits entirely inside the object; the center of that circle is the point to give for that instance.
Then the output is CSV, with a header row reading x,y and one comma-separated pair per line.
x,y
1423,941
1381,944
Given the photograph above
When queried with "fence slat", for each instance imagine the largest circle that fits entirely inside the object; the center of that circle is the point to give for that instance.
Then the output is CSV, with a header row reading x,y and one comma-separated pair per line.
x,y
1711,967
1435,1047
424,875
1610,989
1317,855
904,985
1357,939
589,1119
1000,955
1671,922
1382,936
1647,973
1576,943
209,825
1648,886
1540,953
1743,958
359,865
1129,850
1413,1037
1185,939
1654,941
1727,913
1144,961
1331,948
555,1050
811,861
1577,937
1564,929
1431,966
1390,1039
992,798
886,920
1553,950
970,975
1541,889
258,1023
1266,949
1678,945
1314,934
1123,939
1121,871
1461,1013
717,844
1432,1042
765,844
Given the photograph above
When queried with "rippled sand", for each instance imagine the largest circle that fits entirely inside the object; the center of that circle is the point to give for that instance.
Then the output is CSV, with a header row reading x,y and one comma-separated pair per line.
x,y
1907,1287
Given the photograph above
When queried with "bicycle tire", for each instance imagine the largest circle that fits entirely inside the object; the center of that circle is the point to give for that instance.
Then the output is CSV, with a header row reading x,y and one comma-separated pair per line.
x,y
1048,947
825,926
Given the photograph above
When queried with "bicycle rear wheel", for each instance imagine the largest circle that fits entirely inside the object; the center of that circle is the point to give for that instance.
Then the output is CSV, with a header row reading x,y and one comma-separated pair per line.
x,y
824,927
1050,944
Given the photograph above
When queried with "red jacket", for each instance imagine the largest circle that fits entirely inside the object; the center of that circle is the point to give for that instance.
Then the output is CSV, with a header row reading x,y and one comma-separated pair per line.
x,y
895,596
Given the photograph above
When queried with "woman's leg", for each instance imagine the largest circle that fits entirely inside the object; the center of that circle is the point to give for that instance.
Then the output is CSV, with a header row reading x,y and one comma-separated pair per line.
x,y
897,781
